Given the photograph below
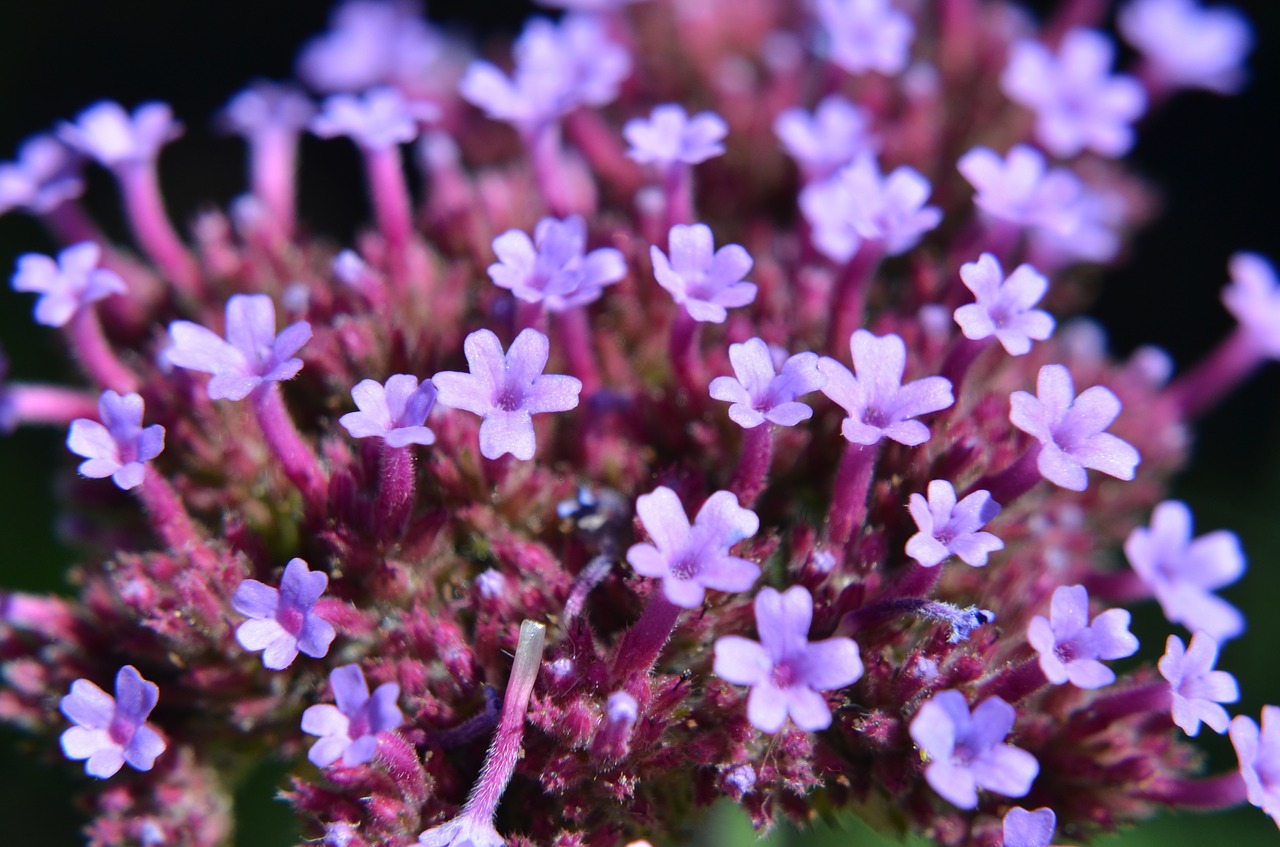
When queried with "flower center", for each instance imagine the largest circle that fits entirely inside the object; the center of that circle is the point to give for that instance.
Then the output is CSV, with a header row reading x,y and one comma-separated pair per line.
x,y
121,730
783,675
510,398
685,567
291,619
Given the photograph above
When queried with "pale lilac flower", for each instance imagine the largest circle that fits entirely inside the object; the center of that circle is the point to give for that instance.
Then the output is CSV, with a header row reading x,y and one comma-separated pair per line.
x,y
1196,687
283,622
1186,45
1079,105
1253,298
252,354
949,528
463,831
1259,754
966,750
395,412
705,281
786,671
67,285
379,119
1070,647
835,134
110,731
108,134
1070,429
760,392
554,268
1028,829
1003,306
669,136
507,389
866,35
44,175
1021,189
120,446
267,106
349,730
690,559
1184,572
878,404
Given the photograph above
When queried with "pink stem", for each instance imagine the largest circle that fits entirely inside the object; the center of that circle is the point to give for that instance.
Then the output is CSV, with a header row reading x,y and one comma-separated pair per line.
x,y
575,333
296,459
543,143
849,500
274,170
753,466
169,517
395,491
646,638
683,351
850,297
1106,710
144,204
677,189
962,356
1215,792
51,404
389,193
1217,375
1016,682
95,354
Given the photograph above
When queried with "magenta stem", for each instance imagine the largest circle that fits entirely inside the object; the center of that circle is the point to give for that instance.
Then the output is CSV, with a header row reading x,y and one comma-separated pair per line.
x,y
591,575
296,459
1016,682
600,144
1106,710
395,491
169,518
1118,587
389,193
961,357
750,478
51,404
849,499
95,354
1217,375
144,204
1014,481
69,224
850,297
1211,793
643,643
574,332
677,188
547,159
273,172
683,351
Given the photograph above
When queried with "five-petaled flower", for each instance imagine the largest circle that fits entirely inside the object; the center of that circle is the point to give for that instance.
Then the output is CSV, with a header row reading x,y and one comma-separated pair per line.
x,y
670,136
110,731
1259,755
1070,647
110,135
949,528
120,446
67,285
44,175
379,119
1196,688
1021,188
350,729
1186,45
759,392
283,622
1253,298
866,35
835,134
705,281
1003,306
395,412
554,268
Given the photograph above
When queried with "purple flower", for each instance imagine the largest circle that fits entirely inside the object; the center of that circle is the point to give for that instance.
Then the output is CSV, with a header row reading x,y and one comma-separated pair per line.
x,y
1028,829
395,412
1003,306
785,670
1021,188
761,393
68,285
110,731
1070,429
1196,687
463,831
1259,755
554,268
1253,298
119,447
284,622
1078,104
1183,572
1185,45
878,404
44,176
379,119
691,559
350,729
1086,229
669,136
1070,647
866,35
266,106
949,528
507,390
835,134
251,355
110,135
704,280
966,749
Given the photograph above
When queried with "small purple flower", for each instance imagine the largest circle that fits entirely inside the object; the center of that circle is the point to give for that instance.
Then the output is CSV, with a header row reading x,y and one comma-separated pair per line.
x,y
252,354
785,670
43,177
1259,754
1253,298
1029,829
267,106
966,749
835,134
878,404
108,134
1078,104
1186,45
1003,306
1070,429
554,268
1196,687
1183,572
507,390
463,831
68,285
669,136
690,559
120,446
284,622
949,528
350,729
394,412
759,392
1070,647
1021,188
705,281
866,35
379,119
110,731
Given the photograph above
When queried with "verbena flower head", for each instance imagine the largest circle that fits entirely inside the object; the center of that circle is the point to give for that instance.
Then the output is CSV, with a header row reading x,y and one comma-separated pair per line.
x,y
111,136
860,204
283,622
950,528
349,730
1253,298
866,35
1021,188
120,446
669,136
1028,829
395,411
1072,647
1259,754
1187,45
67,285
44,175
1195,686
379,119
707,282
110,731
760,391
830,137
266,106
1003,306
554,268
786,671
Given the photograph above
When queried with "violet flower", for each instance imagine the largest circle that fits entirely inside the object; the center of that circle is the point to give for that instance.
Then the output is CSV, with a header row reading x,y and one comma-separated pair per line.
x,y
120,446
252,354
1070,429
690,559
866,35
1028,829
760,392
830,137
108,134
110,731
786,671
669,136
67,285
394,412
1071,647
1253,299
1259,754
878,404
966,752
1185,45
949,528
44,175
705,281
1020,188
507,390
349,730
1003,306
283,622
265,107
554,268
379,119
1195,686
1183,572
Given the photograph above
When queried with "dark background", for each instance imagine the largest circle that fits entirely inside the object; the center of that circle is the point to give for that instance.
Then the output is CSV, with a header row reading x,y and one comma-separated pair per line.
x,y
1213,158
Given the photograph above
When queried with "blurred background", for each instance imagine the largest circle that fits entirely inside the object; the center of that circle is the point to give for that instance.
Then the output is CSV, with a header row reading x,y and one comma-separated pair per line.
x,y
1213,159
